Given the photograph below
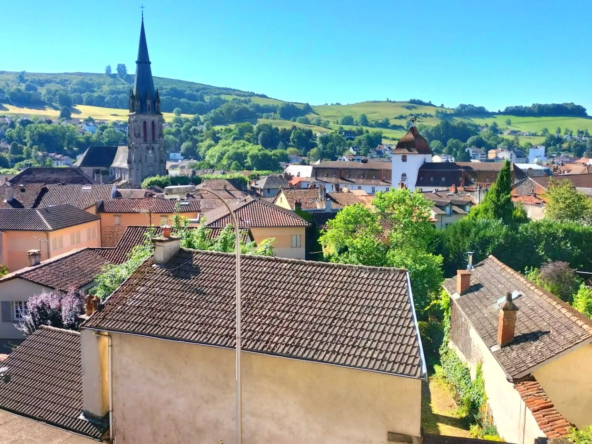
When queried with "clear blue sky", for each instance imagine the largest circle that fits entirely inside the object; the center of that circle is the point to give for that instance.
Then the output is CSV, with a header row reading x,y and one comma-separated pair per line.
x,y
490,53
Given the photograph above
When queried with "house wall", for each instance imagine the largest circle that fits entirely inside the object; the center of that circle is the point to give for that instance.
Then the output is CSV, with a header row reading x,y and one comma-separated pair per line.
x,y
443,220
281,201
172,392
514,421
16,290
410,168
283,240
567,382
535,212
15,244
141,219
370,189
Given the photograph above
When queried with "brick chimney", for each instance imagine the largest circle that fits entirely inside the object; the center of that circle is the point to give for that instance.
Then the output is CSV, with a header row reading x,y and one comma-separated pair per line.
x,y
463,281
165,248
34,257
506,321
453,189
297,205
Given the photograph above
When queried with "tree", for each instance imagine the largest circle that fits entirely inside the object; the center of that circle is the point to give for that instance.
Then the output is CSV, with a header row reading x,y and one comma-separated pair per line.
x,y
508,122
558,278
347,120
497,203
582,300
363,120
21,77
121,70
108,70
565,203
65,113
177,112
397,234
55,309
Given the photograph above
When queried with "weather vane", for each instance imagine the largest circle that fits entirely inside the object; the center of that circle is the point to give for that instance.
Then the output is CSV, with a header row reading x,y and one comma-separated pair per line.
x,y
142,8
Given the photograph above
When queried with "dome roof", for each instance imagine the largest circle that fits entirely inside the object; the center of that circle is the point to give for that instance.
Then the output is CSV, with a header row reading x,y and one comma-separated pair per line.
x,y
412,143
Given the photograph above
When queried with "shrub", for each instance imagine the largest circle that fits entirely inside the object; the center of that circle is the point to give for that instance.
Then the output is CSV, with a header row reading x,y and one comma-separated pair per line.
x,y
3,270
583,436
558,278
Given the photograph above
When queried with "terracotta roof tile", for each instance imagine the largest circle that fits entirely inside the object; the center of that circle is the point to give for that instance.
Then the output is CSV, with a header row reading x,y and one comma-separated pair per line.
x,y
154,205
545,325
253,213
527,200
43,219
47,175
550,421
298,309
56,397
412,143
110,235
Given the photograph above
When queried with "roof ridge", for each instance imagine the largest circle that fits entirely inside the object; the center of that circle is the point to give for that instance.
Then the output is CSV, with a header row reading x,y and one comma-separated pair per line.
x,y
38,211
61,330
566,309
298,261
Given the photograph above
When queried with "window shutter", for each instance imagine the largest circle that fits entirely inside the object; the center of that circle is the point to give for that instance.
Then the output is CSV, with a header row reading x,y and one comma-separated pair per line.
x,y
72,239
6,315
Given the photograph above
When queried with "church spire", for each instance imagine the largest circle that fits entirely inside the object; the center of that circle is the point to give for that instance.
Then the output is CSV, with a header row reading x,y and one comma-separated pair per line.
x,y
143,83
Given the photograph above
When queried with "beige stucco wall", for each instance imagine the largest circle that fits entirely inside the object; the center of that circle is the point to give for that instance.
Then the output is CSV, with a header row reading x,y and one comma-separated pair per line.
x,y
568,384
283,240
535,212
514,421
15,244
443,220
281,201
141,219
171,392
16,290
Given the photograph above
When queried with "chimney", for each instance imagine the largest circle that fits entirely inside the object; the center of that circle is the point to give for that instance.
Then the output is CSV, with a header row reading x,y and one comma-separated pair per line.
x,y
297,205
470,266
453,189
328,205
322,193
506,323
463,281
165,248
9,194
34,257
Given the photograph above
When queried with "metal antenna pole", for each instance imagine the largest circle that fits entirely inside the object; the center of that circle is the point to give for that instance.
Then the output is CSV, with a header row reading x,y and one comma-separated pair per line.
x,y
239,397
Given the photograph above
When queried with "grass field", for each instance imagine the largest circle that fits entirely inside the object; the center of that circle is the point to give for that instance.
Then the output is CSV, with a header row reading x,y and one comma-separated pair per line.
x,y
79,111
536,124
373,110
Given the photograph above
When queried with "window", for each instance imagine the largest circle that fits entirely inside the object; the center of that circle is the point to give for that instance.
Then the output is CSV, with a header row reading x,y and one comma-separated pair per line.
x,y
359,187
19,311
404,158
145,135
296,241
163,219
387,189
404,177
117,219
57,243
373,189
91,233
75,238
153,132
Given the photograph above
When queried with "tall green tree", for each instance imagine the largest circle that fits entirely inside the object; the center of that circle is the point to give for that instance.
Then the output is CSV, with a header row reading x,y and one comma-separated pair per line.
x,y
497,203
565,203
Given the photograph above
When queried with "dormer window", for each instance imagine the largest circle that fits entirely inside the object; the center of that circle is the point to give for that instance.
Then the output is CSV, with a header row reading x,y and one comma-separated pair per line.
x,y
404,177
404,158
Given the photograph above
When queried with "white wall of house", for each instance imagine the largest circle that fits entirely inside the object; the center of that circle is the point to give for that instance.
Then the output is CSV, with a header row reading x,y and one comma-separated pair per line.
x,y
15,291
514,421
369,189
410,168
173,392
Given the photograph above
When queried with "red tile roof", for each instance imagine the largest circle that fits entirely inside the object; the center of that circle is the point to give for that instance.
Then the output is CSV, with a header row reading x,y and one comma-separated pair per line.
x,y
43,219
154,205
527,200
254,213
550,421
346,315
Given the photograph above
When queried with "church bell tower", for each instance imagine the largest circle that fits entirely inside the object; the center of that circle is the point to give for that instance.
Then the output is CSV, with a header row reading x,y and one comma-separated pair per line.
x,y
146,156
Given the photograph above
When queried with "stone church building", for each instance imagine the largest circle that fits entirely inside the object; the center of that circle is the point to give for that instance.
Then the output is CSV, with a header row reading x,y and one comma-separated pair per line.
x,y
144,154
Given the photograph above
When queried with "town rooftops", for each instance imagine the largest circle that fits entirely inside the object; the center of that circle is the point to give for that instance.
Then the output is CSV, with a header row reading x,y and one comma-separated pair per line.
x,y
578,180
45,381
254,213
545,327
154,205
273,181
46,175
220,184
443,198
43,219
97,156
412,143
339,165
352,316
41,196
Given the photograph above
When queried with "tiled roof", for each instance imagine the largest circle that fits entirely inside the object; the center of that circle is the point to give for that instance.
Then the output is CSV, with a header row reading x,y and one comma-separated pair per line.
x,y
41,196
254,213
345,199
345,315
308,197
579,180
545,325
273,181
335,164
72,269
154,205
321,219
527,200
444,198
132,193
110,235
221,184
46,381
43,219
97,156
51,176
550,421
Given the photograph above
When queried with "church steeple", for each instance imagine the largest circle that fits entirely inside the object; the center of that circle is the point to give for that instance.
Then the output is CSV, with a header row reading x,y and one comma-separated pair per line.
x,y
143,83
